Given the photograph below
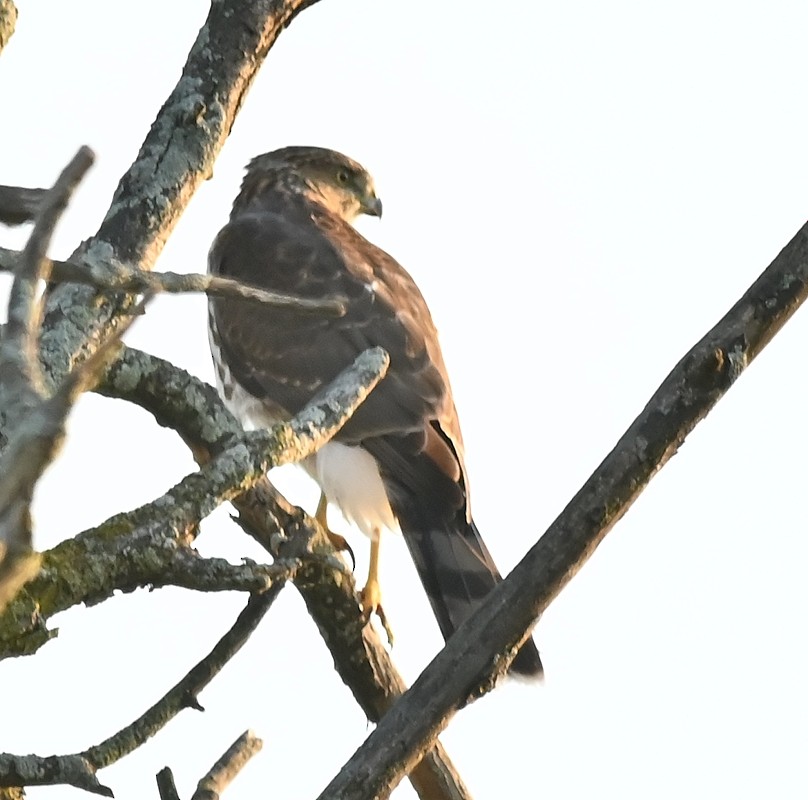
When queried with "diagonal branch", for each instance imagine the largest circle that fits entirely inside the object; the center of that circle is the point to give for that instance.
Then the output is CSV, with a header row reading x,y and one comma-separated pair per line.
x,y
141,547
80,769
175,158
470,662
194,409
37,423
184,694
222,773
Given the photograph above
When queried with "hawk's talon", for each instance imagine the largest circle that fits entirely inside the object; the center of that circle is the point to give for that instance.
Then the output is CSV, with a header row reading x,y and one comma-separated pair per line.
x,y
340,544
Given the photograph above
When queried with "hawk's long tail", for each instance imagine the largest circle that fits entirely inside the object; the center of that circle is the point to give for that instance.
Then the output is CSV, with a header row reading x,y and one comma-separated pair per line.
x,y
457,572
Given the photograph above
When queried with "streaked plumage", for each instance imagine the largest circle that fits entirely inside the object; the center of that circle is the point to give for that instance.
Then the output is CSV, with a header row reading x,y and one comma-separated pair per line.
x,y
400,457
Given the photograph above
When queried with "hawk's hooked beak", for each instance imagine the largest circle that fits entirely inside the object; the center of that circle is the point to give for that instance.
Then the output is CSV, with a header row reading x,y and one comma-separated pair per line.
x,y
372,206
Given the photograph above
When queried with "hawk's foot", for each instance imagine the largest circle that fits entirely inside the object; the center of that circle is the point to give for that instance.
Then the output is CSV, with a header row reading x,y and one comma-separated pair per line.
x,y
370,598
339,543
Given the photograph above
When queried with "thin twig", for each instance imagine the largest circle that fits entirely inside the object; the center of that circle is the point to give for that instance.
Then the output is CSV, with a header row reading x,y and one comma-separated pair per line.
x,y
80,769
113,276
36,423
18,352
185,693
223,772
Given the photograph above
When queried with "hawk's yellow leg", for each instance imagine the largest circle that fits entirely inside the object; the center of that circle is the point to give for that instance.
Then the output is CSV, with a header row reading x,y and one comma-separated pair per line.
x,y
338,542
371,595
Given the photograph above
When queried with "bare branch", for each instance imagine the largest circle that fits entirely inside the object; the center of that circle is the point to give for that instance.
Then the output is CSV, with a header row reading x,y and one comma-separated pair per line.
x,y
166,786
470,663
182,402
79,769
18,204
141,546
37,424
19,368
117,277
38,437
176,156
31,770
223,772
185,693
123,559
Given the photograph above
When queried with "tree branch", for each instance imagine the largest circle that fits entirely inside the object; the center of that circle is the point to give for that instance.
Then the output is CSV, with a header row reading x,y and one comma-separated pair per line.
x,y
176,156
223,772
470,664
38,424
113,277
80,769
140,547
31,770
184,694
18,204
182,402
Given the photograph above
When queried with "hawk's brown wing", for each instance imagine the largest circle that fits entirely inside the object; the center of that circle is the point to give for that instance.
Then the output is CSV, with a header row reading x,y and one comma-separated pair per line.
x,y
408,423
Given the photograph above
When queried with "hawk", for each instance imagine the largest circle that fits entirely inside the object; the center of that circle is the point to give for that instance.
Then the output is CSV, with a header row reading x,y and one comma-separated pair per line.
x,y
398,462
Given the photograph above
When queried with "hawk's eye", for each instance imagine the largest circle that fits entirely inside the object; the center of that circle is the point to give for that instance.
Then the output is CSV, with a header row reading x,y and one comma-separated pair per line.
x,y
342,177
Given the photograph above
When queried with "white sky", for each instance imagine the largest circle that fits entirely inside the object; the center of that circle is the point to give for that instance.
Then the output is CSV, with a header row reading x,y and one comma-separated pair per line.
x,y
581,190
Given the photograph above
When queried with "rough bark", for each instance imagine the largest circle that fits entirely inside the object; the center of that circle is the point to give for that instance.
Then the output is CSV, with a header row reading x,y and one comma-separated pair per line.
x,y
471,662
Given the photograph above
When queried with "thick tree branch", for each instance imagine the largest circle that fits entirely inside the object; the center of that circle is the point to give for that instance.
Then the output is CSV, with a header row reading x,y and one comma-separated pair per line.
x,y
141,547
470,663
183,403
114,277
31,770
176,156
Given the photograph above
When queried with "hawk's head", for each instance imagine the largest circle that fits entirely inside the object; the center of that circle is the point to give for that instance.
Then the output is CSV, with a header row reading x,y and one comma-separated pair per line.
x,y
327,177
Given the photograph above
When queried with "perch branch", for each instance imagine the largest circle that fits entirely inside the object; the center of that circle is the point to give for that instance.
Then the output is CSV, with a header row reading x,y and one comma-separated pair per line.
x,y
140,546
182,402
469,664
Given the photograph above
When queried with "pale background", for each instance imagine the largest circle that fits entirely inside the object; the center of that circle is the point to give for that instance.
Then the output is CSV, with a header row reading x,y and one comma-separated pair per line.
x,y
581,190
